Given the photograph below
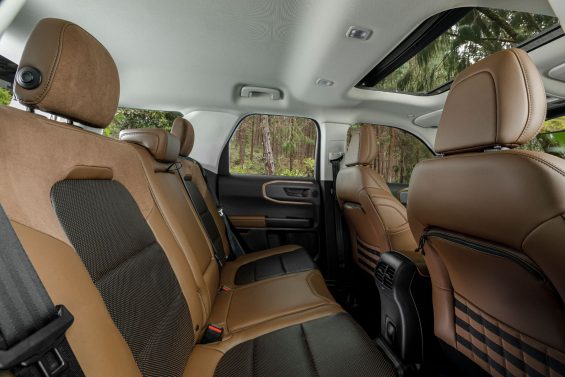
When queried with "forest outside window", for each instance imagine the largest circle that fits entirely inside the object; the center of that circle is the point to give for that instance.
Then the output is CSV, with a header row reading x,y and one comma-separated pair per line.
x,y
274,145
398,152
550,139
129,118
478,34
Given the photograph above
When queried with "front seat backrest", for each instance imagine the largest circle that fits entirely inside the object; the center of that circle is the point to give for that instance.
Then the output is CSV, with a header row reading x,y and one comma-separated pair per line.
x,y
492,222
377,221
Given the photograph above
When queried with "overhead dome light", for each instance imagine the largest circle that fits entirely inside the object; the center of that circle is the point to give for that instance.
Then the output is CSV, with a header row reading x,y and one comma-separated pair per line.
x,y
357,32
324,82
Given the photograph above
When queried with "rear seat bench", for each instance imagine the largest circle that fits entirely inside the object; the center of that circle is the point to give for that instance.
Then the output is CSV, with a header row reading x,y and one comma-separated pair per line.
x,y
244,269
275,299
93,216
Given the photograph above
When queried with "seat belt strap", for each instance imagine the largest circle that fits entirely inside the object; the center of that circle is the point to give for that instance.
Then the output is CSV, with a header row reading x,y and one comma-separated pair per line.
x,y
335,160
235,245
205,218
32,329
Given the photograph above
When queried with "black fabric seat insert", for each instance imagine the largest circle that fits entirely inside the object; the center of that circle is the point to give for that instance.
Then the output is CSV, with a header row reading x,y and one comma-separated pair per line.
x,y
274,265
326,347
131,271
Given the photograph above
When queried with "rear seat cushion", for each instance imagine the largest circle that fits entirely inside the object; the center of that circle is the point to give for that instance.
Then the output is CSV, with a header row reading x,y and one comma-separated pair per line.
x,y
267,264
242,308
330,346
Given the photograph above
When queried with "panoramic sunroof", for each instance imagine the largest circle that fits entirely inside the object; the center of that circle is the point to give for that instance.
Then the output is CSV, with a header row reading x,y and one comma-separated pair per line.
x,y
444,45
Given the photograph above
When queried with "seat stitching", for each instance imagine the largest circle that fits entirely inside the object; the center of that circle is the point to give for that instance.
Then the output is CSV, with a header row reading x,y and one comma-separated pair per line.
x,y
52,68
310,354
281,261
253,359
134,255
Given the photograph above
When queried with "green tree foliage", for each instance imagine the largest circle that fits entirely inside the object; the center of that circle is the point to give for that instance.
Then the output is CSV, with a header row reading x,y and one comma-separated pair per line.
x,y
292,141
478,34
551,138
398,152
553,125
127,118
5,96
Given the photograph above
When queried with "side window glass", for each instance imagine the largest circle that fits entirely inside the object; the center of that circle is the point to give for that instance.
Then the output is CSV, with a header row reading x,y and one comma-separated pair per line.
x,y
274,145
398,153
128,118
551,138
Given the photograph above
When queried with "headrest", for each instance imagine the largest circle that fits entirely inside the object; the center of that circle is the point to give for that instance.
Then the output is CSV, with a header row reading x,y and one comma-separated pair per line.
x,y
498,102
184,131
362,148
163,146
65,71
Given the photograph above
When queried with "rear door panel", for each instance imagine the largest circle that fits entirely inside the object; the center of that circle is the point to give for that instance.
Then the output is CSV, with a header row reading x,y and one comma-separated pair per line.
x,y
272,211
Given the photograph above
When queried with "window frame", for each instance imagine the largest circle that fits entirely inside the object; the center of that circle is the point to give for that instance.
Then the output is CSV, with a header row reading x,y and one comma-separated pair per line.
x,y
226,157
425,34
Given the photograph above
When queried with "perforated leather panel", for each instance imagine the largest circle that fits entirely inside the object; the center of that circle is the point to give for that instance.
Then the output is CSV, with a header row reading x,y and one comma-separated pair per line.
x,y
331,346
131,271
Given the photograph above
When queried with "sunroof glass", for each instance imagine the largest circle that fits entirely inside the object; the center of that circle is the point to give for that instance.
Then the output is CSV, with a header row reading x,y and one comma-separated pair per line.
x,y
481,32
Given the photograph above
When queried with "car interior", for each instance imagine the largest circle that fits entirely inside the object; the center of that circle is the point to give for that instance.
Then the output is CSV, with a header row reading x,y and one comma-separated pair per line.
x,y
282,188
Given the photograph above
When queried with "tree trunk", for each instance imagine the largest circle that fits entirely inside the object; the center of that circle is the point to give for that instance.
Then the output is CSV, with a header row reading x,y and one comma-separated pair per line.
x,y
267,148
391,146
252,140
241,140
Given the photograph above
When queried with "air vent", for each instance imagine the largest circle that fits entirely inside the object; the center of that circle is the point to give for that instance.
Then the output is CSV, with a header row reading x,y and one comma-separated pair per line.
x,y
385,274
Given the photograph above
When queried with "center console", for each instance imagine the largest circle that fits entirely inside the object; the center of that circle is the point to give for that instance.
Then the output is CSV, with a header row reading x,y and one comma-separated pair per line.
x,y
406,310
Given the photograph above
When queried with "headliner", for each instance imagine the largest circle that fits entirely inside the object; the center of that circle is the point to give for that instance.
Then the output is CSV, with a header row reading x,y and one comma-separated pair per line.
x,y
193,55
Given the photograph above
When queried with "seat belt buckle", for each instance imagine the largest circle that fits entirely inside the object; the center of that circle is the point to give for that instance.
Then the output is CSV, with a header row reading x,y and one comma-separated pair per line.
x,y
212,334
221,211
41,347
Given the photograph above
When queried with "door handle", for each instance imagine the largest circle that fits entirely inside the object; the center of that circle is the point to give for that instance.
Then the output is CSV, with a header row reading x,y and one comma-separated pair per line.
x,y
290,192
297,192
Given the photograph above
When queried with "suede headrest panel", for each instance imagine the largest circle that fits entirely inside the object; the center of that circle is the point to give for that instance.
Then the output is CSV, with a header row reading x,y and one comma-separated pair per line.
x,y
78,77
498,102
184,131
161,144
362,148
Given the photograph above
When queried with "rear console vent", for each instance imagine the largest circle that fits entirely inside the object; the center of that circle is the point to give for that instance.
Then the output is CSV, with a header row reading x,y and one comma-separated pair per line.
x,y
385,274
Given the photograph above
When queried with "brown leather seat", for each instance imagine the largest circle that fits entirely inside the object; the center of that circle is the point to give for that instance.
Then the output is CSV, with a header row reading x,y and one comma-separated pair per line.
x,y
377,221
248,268
270,301
493,222
103,244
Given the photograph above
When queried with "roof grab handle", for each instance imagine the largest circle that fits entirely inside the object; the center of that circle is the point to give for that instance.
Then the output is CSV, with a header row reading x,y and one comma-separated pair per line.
x,y
257,91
